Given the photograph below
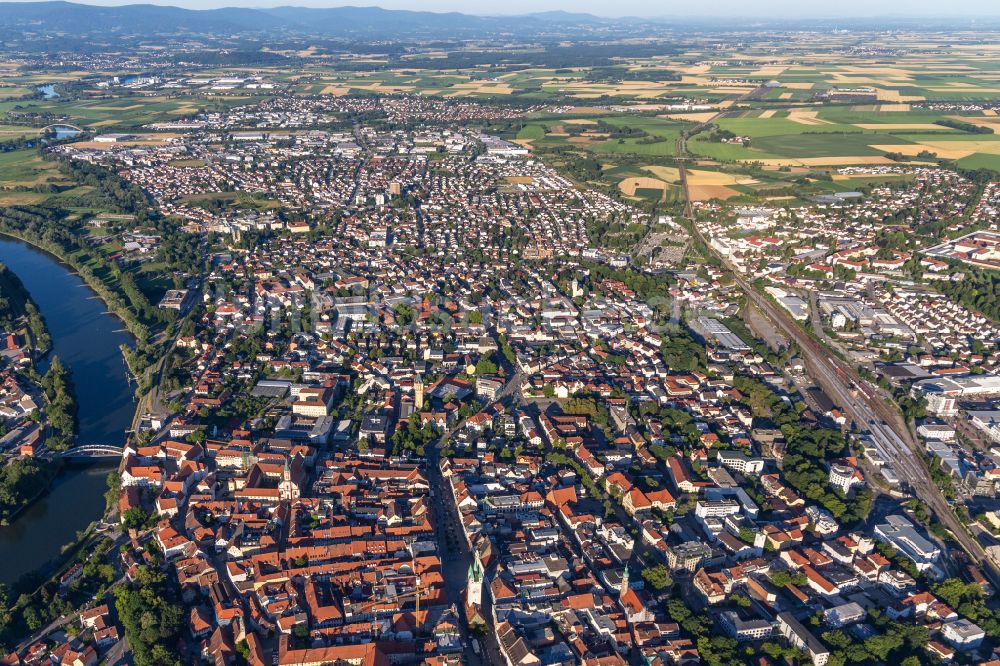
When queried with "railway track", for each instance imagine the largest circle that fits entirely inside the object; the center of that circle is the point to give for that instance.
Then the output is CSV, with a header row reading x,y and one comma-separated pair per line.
x,y
869,409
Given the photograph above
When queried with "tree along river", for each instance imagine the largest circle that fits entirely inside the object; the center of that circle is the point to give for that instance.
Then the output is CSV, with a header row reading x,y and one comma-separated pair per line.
x,y
87,339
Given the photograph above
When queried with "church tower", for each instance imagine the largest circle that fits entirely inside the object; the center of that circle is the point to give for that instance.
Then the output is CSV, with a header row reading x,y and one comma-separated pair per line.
x,y
418,393
624,586
474,588
474,591
288,488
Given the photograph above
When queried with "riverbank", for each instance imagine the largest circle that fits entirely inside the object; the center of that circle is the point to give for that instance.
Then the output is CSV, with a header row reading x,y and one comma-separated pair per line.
x,y
42,598
23,481
17,304
112,301
39,474
87,339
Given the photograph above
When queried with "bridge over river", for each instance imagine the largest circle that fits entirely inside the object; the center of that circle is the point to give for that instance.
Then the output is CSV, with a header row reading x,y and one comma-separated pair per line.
x,y
92,452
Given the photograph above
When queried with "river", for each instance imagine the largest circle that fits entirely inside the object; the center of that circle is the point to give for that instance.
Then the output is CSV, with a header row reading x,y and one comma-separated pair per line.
x,y
87,339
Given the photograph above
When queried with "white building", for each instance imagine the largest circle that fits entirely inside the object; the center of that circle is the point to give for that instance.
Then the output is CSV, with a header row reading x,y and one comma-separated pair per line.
x,y
963,634
902,535
740,462
844,614
845,477
745,630
802,638
822,520
716,508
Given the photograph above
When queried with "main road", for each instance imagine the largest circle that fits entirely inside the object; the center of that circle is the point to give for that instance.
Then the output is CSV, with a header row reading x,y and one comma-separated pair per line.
x,y
869,408
450,534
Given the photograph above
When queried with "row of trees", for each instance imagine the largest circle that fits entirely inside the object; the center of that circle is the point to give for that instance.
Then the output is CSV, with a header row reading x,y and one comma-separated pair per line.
x,y
61,411
49,229
964,126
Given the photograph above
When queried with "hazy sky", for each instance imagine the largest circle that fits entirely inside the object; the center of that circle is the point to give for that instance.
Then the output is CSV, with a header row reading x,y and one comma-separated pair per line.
x,y
768,8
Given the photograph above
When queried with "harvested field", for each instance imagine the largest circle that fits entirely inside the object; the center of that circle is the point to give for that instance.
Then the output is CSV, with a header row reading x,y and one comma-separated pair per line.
x,y
630,185
20,198
484,87
769,71
878,70
699,177
806,118
889,95
380,87
590,110
706,192
950,150
669,174
700,68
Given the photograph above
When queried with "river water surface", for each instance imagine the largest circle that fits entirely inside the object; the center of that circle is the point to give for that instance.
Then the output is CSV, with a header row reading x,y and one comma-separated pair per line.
x,y
86,338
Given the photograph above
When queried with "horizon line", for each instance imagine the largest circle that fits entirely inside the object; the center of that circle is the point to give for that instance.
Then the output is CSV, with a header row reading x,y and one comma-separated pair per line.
x,y
689,17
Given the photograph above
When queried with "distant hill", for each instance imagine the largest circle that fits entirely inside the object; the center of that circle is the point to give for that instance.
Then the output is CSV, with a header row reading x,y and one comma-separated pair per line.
x,y
38,22
358,22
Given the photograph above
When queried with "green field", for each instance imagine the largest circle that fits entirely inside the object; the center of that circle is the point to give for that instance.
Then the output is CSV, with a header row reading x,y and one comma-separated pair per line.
x,y
105,115
834,133
26,168
823,145
588,138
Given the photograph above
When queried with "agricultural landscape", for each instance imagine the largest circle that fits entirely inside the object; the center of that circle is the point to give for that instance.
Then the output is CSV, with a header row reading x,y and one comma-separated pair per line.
x,y
354,336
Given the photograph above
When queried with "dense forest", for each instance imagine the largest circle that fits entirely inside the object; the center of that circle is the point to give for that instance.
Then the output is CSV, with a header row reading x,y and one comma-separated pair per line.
x,y
551,56
620,73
